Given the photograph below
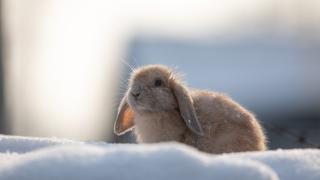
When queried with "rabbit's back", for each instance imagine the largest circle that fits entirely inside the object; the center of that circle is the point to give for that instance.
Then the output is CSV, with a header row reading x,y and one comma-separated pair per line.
x,y
227,126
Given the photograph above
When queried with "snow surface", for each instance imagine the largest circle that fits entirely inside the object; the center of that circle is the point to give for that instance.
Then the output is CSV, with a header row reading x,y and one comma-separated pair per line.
x,y
45,158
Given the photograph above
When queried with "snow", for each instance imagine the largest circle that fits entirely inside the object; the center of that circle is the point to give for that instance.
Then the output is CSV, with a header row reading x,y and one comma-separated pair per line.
x,y
46,158
25,144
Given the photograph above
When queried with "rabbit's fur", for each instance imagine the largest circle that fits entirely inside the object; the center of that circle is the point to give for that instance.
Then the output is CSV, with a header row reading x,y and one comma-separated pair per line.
x,y
162,108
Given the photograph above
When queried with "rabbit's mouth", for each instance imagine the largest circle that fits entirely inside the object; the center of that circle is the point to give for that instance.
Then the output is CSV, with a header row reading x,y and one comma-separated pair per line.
x,y
142,104
135,103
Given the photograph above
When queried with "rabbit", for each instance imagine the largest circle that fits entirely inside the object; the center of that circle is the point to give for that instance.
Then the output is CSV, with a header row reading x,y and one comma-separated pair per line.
x,y
160,107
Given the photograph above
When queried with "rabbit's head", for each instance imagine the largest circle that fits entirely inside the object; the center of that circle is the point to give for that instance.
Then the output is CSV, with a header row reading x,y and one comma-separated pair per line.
x,y
153,89
150,90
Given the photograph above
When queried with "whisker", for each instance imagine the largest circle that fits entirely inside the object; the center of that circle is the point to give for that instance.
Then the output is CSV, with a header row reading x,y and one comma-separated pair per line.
x,y
123,84
123,60
135,62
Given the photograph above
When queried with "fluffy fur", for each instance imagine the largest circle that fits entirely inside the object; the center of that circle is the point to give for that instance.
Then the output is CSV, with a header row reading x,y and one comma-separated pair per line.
x,y
162,108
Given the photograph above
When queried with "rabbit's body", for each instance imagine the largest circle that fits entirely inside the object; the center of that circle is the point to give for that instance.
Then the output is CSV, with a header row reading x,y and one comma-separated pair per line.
x,y
167,126
209,121
227,126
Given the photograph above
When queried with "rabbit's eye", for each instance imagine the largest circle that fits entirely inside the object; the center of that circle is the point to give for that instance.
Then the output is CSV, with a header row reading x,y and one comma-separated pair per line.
x,y
158,83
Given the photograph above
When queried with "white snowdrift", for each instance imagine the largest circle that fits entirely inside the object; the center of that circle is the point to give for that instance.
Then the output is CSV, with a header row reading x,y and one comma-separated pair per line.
x,y
35,158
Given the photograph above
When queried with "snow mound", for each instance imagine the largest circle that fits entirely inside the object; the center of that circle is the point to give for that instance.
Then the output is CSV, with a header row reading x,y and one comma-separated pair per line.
x,y
54,159
25,144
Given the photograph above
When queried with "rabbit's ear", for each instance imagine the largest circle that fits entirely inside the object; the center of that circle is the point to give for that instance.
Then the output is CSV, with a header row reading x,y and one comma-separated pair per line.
x,y
186,107
124,121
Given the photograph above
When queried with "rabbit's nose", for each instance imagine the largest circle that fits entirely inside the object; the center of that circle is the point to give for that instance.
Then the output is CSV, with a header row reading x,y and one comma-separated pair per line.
x,y
135,94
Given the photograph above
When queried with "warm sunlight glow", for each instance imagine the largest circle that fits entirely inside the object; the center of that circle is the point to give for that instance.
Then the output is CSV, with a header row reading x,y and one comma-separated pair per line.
x,y
64,56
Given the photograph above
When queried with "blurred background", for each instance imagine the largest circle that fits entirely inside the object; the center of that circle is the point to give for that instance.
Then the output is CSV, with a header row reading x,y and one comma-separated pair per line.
x,y
65,63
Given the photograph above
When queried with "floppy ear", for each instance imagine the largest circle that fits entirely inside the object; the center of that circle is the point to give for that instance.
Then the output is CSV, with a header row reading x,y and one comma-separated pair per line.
x,y
124,121
187,110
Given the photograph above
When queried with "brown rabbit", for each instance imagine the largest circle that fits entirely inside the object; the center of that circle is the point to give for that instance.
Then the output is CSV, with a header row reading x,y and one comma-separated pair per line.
x,y
162,108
